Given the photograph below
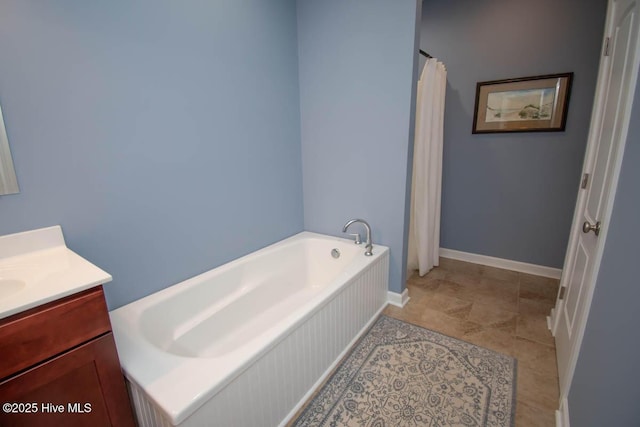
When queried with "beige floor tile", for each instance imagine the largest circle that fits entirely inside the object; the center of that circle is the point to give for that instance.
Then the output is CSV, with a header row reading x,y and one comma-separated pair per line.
x,y
538,288
426,282
403,314
496,293
529,416
413,310
500,274
535,307
536,389
490,286
462,278
417,294
492,317
533,279
446,304
499,301
435,273
455,289
534,328
393,311
493,339
446,324
505,304
419,301
460,266
539,357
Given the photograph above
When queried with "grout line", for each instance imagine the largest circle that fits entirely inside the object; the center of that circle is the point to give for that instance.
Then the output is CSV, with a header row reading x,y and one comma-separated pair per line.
x,y
537,342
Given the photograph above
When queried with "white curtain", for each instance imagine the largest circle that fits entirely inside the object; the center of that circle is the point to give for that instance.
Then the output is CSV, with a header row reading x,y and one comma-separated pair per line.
x,y
424,225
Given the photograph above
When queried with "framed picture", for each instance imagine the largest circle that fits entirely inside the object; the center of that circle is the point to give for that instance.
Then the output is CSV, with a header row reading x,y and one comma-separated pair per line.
x,y
526,104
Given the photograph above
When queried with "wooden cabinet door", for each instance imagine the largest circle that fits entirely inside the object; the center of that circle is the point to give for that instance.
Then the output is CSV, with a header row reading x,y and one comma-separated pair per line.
x,y
83,387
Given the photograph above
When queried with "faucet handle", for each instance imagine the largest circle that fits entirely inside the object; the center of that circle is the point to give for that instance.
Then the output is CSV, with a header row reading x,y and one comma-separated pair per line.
x,y
357,237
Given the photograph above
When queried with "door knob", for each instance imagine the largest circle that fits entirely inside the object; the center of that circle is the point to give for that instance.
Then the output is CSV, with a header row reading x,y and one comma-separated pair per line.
x,y
587,227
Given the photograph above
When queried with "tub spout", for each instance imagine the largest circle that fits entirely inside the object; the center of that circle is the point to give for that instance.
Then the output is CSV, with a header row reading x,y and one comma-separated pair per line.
x,y
368,249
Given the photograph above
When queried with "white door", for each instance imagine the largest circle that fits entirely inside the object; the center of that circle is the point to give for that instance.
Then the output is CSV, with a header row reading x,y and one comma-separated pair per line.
x,y
610,120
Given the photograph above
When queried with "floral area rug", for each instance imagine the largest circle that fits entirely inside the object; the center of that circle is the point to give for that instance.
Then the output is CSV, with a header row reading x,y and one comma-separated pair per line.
x,y
400,374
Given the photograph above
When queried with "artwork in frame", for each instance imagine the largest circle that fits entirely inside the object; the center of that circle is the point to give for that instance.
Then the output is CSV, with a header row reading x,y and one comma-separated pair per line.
x,y
526,104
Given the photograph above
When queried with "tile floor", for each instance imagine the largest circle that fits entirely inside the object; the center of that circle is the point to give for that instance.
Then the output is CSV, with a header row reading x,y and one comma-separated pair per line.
x,y
498,309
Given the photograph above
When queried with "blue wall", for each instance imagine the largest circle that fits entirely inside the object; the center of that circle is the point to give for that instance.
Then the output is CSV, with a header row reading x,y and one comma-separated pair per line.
x,y
605,389
163,136
512,195
356,64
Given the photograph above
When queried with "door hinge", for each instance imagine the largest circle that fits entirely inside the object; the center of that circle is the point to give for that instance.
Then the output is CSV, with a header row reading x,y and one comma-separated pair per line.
x,y
563,290
585,181
607,43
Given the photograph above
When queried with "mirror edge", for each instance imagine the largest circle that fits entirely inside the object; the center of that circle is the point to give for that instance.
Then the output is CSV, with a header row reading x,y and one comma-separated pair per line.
x,y
8,180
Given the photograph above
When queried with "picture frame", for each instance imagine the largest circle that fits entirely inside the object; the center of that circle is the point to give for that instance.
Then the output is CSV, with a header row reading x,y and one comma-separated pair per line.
x,y
525,104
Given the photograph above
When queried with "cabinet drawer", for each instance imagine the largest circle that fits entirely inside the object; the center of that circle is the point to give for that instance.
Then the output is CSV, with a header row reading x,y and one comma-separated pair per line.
x,y
32,336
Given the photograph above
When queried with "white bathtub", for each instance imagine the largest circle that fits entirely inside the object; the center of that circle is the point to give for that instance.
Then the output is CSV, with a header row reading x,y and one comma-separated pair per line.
x,y
245,343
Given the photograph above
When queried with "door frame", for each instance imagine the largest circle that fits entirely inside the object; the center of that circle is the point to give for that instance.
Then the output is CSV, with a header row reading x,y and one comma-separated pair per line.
x,y
594,132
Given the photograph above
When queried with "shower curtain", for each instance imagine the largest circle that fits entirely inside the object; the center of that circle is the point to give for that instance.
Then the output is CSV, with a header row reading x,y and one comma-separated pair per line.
x,y
424,223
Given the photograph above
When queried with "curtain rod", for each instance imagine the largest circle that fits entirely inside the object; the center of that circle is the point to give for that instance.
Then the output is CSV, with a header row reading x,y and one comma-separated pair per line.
x,y
422,52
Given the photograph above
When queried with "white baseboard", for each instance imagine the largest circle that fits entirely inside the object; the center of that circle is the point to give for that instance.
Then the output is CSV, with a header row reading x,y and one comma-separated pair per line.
x,y
562,414
507,264
551,321
399,300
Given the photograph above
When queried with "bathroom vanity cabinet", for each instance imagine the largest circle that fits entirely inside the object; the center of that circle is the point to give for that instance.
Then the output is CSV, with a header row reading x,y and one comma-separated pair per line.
x,y
59,366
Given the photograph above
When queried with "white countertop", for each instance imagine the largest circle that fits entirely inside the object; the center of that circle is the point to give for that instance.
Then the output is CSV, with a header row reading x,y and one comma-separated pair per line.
x,y
36,267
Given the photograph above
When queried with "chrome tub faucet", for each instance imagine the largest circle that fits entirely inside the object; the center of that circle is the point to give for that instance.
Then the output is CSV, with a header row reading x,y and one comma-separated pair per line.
x,y
368,243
